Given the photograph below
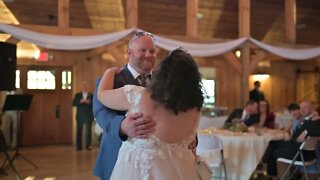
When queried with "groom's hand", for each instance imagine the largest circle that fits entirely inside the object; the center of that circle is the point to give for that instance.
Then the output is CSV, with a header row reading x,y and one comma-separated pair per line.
x,y
144,126
137,126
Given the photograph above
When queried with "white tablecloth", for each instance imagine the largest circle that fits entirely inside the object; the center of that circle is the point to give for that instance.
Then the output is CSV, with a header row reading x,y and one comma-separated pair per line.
x,y
206,122
242,151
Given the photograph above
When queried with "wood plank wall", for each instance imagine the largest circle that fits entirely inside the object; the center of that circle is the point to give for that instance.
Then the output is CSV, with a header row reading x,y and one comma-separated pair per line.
x,y
279,89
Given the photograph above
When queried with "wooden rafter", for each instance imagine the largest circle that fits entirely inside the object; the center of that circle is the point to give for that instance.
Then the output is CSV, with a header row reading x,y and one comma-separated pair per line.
x,y
192,22
244,31
132,13
13,40
234,61
120,58
290,21
63,13
244,18
256,59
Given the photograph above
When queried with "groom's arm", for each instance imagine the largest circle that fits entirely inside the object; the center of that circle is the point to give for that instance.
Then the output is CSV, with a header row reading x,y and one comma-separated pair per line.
x,y
107,119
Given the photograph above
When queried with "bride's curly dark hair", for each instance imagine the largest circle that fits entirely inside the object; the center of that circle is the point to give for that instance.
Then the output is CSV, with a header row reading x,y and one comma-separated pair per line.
x,y
176,83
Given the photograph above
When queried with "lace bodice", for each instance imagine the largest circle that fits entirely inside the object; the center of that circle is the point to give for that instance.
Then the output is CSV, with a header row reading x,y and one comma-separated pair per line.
x,y
134,95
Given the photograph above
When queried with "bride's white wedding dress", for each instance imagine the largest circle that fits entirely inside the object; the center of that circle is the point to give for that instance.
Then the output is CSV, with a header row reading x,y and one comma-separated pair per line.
x,y
151,159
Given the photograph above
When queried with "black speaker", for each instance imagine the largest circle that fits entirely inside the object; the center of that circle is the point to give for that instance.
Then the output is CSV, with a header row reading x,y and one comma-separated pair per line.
x,y
8,66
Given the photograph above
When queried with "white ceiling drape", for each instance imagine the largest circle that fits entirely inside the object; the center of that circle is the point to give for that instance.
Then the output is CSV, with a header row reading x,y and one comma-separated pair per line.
x,y
61,42
294,54
196,49
200,50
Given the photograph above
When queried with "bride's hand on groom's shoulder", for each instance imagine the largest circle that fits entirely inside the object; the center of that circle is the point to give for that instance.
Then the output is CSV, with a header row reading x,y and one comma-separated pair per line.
x,y
135,125
114,70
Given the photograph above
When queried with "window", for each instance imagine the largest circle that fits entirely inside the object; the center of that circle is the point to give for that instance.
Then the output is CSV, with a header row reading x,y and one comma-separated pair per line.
x,y
66,80
41,80
209,91
17,79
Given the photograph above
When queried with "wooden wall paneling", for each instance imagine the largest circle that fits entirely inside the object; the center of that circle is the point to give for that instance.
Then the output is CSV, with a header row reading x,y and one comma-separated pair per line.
x,y
307,82
283,79
228,90
221,85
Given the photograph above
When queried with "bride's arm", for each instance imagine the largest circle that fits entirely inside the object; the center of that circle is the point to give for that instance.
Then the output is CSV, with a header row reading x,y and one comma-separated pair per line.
x,y
112,98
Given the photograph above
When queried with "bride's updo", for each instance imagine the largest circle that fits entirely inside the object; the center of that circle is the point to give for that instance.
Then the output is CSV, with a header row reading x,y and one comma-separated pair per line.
x,y
176,82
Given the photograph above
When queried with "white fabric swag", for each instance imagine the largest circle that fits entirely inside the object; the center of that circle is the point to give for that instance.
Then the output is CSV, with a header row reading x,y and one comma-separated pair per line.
x,y
196,49
61,42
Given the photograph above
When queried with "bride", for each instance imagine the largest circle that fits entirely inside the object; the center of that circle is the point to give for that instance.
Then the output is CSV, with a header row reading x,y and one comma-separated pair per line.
x,y
173,99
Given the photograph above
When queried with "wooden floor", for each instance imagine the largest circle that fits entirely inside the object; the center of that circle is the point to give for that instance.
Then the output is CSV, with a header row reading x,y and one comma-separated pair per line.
x,y
54,162
60,163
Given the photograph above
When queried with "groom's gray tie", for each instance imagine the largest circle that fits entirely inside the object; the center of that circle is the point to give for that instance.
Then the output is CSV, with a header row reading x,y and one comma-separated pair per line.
x,y
144,80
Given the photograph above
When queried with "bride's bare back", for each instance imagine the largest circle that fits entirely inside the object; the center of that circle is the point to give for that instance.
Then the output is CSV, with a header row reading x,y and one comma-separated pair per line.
x,y
170,127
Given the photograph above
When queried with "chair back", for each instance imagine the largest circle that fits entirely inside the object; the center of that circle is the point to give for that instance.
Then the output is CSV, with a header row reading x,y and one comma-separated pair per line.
x,y
310,143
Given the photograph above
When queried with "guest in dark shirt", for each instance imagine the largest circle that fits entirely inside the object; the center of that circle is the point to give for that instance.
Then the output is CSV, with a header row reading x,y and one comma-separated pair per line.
x,y
256,94
249,115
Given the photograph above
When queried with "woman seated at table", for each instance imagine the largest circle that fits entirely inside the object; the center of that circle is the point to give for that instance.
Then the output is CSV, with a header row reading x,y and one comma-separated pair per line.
x,y
266,118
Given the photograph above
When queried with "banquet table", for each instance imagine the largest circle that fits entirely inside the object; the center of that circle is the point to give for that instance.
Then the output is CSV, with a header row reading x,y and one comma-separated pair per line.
x,y
242,151
206,121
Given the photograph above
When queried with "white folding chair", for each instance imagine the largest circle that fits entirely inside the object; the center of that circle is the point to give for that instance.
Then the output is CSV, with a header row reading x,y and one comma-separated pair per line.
x,y
210,148
309,144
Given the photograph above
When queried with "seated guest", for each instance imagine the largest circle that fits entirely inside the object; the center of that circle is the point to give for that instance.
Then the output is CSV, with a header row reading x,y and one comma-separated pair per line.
x,y
296,119
249,115
266,118
287,149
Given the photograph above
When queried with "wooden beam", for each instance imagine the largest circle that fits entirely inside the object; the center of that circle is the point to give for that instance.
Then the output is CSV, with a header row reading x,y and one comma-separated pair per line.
x,y
13,40
244,31
132,13
244,18
290,21
234,61
256,59
245,59
97,52
120,58
192,21
63,13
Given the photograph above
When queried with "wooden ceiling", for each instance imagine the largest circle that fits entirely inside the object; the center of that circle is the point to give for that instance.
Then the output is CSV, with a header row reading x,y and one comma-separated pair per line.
x,y
217,19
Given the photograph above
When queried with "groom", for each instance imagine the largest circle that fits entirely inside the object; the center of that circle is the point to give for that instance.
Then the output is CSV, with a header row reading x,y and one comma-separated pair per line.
x,y
117,126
